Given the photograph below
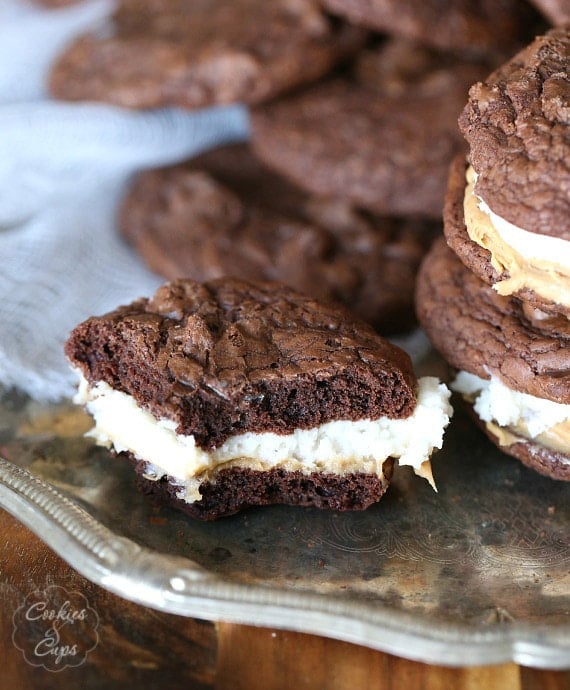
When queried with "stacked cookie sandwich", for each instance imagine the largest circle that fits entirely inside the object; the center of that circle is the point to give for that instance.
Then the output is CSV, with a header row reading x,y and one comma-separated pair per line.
x,y
496,302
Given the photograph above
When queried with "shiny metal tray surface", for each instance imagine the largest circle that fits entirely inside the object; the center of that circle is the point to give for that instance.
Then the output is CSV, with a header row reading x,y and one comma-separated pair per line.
x,y
477,573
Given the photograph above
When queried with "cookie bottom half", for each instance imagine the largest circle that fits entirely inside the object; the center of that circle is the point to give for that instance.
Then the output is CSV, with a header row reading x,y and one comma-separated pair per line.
x,y
236,488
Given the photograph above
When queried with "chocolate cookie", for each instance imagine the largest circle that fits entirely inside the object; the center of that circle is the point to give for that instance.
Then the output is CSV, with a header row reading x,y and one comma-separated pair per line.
x,y
381,139
238,488
517,125
258,382
513,202
459,25
201,53
514,364
556,11
225,214
479,260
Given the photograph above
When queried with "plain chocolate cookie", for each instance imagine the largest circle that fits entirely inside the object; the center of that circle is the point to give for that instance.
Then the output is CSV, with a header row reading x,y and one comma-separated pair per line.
x,y
381,139
458,25
556,11
204,52
517,125
225,214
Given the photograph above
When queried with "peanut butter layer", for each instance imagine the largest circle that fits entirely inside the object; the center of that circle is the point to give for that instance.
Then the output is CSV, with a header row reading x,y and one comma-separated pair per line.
x,y
549,280
534,455
556,438
476,258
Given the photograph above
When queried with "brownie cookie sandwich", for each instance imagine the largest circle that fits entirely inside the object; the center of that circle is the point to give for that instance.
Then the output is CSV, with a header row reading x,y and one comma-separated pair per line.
x,y
507,213
380,138
513,368
204,52
229,394
223,213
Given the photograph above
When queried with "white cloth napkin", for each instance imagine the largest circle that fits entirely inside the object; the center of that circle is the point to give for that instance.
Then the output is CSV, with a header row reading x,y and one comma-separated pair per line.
x,y
63,169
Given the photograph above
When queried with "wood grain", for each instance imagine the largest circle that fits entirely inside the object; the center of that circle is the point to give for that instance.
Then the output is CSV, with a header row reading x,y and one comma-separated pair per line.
x,y
138,647
142,648
286,660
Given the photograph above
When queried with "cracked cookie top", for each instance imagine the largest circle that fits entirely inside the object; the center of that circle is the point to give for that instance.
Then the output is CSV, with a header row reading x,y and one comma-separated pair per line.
x,y
230,356
517,124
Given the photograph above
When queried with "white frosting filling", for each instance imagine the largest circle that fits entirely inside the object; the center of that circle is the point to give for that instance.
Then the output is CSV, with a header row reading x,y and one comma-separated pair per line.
x,y
338,446
496,402
530,245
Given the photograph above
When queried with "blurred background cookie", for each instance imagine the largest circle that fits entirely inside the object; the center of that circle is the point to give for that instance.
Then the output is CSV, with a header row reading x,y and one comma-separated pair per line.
x,y
466,26
224,213
204,52
556,11
380,138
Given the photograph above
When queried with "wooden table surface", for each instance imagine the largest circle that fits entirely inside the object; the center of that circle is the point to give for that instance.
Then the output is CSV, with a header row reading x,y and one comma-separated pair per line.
x,y
142,648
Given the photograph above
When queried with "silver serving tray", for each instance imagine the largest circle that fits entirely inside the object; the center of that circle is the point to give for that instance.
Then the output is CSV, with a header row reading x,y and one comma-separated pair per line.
x,y
477,573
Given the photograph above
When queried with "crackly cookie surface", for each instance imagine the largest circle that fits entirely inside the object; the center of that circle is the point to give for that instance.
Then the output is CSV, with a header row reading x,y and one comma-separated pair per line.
x,y
482,332
381,138
517,125
229,356
204,52
224,213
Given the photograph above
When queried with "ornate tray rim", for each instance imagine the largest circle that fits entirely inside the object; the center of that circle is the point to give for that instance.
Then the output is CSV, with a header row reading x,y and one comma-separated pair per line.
x,y
178,585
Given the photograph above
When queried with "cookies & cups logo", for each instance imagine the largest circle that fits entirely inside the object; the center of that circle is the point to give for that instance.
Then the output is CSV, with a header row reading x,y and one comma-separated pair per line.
x,y
55,628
